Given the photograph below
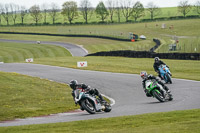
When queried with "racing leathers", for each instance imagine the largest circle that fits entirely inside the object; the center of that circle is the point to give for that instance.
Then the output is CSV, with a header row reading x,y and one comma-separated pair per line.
x,y
149,77
88,89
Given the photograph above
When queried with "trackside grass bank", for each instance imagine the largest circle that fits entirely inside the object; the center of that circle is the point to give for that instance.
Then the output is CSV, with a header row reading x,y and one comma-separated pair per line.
x,y
15,52
185,69
185,27
24,96
187,121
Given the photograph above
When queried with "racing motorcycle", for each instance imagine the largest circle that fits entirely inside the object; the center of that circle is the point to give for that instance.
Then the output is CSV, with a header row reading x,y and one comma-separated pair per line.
x,y
90,103
157,91
165,73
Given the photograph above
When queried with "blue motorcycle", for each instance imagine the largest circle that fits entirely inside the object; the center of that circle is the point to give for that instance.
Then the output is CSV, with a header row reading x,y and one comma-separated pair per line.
x,y
165,73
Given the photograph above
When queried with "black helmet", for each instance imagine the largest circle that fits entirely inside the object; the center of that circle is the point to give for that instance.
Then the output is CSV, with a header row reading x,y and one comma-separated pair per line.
x,y
73,84
84,86
143,74
156,59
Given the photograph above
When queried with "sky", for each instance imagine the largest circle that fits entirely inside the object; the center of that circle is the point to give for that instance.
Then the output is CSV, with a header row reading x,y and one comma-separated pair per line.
x,y
29,3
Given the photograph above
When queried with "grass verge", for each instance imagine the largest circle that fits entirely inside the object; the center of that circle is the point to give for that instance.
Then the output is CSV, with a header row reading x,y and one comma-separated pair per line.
x,y
168,122
24,96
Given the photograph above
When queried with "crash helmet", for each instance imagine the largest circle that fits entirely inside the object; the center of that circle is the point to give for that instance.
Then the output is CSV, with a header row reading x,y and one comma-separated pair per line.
x,y
73,84
84,86
143,74
156,59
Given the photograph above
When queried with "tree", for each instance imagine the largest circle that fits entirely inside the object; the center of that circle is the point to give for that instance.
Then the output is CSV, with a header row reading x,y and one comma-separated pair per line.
x,y
1,11
86,10
127,8
184,7
35,13
197,7
6,14
53,12
153,10
14,11
138,10
44,9
101,11
23,13
111,8
70,10
118,10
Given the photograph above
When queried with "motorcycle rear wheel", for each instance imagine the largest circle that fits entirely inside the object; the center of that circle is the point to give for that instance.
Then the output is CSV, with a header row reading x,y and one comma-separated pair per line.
x,y
88,106
158,96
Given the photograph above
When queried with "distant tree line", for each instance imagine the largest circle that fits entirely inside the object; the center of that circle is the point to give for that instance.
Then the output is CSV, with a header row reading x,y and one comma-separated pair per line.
x,y
70,11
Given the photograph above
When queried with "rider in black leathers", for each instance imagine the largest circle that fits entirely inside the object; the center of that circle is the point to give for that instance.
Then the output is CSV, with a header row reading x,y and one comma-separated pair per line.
x,y
145,77
74,85
156,64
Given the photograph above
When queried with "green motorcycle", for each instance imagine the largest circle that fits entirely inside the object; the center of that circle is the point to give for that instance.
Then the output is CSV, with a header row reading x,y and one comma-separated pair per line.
x,y
157,91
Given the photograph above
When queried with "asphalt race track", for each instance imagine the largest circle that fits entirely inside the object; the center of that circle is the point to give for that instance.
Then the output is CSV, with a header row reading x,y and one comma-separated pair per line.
x,y
125,89
75,50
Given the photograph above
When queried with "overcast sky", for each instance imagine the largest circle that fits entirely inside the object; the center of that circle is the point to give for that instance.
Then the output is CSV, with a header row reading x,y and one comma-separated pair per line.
x,y
29,3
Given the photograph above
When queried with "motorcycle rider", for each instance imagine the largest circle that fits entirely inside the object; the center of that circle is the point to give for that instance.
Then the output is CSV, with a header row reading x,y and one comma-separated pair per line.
x,y
156,65
146,77
74,85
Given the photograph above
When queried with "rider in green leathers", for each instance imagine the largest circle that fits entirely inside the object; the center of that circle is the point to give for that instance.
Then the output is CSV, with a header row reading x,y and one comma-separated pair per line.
x,y
145,77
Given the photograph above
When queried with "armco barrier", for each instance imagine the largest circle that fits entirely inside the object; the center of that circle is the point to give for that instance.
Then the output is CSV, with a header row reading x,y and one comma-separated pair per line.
x,y
146,54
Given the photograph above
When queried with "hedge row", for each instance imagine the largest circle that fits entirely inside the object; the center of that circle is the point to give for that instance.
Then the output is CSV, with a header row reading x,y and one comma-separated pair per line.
x,y
156,46
68,35
108,21
146,54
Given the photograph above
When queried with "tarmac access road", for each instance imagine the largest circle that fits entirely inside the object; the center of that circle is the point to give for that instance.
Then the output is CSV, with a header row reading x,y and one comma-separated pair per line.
x,y
75,50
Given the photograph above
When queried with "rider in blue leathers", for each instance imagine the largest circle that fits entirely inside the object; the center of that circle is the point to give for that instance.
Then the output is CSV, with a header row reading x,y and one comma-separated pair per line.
x,y
156,65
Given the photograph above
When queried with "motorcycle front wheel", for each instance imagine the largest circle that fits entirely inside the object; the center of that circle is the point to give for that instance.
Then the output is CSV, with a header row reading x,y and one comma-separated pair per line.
x,y
158,96
108,108
169,78
88,106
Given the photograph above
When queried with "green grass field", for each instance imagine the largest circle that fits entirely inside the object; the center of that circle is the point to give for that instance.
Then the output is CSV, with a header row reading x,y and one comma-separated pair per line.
x,y
24,96
188,28
15,52
185,45
187,121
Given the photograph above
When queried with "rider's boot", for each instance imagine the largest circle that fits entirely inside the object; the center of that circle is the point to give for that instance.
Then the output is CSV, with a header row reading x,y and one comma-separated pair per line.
x,y
147,94
160,76
102,99
167,89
